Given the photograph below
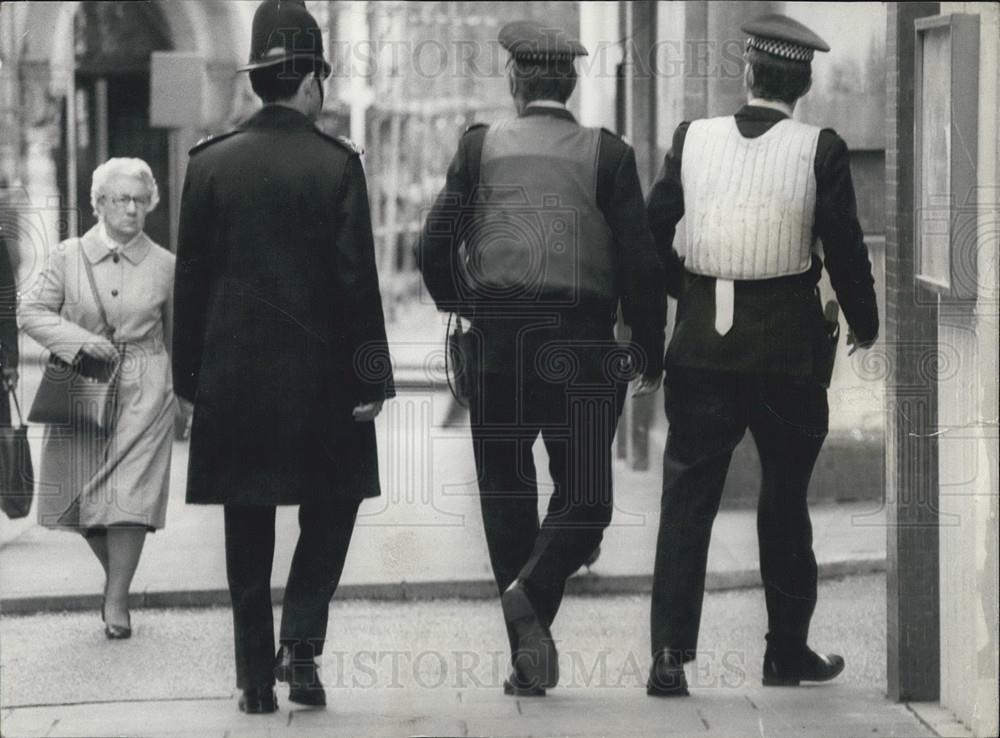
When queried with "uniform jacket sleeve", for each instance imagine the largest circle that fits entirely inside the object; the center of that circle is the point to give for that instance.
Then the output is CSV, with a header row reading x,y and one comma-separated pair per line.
x,y
8,310
845,254
438,247
41,308
358,276
666,207
643,299
192,281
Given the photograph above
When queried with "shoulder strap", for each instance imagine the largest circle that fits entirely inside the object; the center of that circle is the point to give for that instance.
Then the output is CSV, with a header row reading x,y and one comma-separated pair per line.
x,y
17,405
93,288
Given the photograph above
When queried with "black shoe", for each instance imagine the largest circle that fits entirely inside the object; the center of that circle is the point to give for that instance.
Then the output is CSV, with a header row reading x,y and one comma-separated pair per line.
x,y
302,677
536,659
518,687
784,669
258,701
116,632
666,678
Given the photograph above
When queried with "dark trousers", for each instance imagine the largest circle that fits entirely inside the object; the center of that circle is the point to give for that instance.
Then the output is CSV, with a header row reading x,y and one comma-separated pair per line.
x,y
4,408
708,413
324,535
577,424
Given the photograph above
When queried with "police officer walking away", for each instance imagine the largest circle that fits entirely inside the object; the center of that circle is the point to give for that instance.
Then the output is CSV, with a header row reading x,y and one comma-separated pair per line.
x,y
540,233
750,348
277,300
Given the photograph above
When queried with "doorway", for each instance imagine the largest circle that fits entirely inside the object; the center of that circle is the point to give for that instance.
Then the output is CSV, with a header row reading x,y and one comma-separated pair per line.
x,y
110,115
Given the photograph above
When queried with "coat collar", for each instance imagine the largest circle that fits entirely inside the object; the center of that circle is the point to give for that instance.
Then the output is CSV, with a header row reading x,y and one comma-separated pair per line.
x,y
562,113
96,249
278,116
758,112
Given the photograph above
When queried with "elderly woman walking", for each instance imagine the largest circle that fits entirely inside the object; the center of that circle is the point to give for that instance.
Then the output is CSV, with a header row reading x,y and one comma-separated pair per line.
x,y
111,488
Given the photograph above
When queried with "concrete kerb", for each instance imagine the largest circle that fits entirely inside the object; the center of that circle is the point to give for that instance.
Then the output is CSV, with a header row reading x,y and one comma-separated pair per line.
x,y
467,589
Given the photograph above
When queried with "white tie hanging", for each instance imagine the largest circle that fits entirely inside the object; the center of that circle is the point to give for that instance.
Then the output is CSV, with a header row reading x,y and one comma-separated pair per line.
x,y
724,296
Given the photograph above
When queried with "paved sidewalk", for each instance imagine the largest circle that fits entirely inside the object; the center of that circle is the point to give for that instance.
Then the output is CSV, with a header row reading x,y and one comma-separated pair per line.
x,y
842,712
423,538
435,668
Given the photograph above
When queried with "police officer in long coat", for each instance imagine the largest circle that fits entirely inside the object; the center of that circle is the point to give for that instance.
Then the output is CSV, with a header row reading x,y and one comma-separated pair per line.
x,y
280,344
758,192
540,234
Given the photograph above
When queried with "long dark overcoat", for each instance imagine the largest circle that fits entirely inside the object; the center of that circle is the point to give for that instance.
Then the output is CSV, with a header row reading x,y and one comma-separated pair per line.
x,y
278,325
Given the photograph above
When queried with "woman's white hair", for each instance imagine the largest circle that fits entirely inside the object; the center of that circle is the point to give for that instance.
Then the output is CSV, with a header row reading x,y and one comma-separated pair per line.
x,y
123,167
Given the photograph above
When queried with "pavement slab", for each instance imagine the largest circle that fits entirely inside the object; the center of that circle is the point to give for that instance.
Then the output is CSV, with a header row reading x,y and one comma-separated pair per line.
x,y
841,713
436,668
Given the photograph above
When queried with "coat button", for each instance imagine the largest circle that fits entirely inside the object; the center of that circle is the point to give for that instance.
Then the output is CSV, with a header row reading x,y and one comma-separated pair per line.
x,y
114,293
116,258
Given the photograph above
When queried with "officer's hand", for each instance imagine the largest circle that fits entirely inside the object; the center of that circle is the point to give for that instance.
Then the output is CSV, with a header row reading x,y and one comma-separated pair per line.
x,y
853,342
367,412
10,378
102,349
646,385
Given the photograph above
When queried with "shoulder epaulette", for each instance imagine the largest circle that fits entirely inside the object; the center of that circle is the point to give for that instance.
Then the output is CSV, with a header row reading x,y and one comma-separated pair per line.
x,y
209,140
475,126
342,141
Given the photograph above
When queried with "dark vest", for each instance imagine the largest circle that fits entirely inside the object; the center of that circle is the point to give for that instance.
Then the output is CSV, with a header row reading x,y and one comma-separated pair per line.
x,y
537,233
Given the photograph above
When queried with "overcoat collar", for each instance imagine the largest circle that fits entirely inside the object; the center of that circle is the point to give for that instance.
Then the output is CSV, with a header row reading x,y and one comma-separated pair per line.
x,y
96,249
562,113
759,112
278,116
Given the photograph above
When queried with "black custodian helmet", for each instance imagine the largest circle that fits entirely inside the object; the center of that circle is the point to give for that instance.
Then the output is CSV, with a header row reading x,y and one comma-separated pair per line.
x,y
284,30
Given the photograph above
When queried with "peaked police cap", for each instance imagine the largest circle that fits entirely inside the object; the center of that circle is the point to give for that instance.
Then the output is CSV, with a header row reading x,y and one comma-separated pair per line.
x,y
782,36
284,30
530,41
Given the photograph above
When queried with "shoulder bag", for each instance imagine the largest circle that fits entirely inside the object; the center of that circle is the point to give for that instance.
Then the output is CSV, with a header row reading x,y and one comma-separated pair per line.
x,y
84,393
17,473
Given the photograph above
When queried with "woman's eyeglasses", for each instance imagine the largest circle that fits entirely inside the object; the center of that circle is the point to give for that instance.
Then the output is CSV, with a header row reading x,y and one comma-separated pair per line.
x,y
122,201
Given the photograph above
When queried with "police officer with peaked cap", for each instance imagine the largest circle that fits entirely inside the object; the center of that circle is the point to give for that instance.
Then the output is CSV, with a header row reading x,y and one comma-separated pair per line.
x,y
751,348
280,343
539,235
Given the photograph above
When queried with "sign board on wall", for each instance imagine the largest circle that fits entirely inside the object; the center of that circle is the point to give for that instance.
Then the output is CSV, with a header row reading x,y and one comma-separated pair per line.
x,y
177,83
945,150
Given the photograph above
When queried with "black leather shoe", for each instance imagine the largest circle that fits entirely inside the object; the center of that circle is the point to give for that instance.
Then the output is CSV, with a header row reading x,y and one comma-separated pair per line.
x,y
783,669
302,677
518,687
536,659
258,701
116,632
666,678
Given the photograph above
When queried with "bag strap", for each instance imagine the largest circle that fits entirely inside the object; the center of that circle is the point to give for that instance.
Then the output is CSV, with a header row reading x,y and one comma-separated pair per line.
x,y
93,287
17,405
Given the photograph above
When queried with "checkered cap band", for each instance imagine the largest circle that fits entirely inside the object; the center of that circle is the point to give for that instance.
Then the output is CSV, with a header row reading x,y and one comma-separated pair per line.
x,y
783,49
541,56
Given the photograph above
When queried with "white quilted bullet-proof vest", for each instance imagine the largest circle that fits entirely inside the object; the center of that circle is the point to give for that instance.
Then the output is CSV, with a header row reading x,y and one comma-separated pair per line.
x,y
749,203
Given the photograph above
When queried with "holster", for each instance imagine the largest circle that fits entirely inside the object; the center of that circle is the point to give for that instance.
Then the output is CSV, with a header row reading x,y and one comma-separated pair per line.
x,y
462,359
826,345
